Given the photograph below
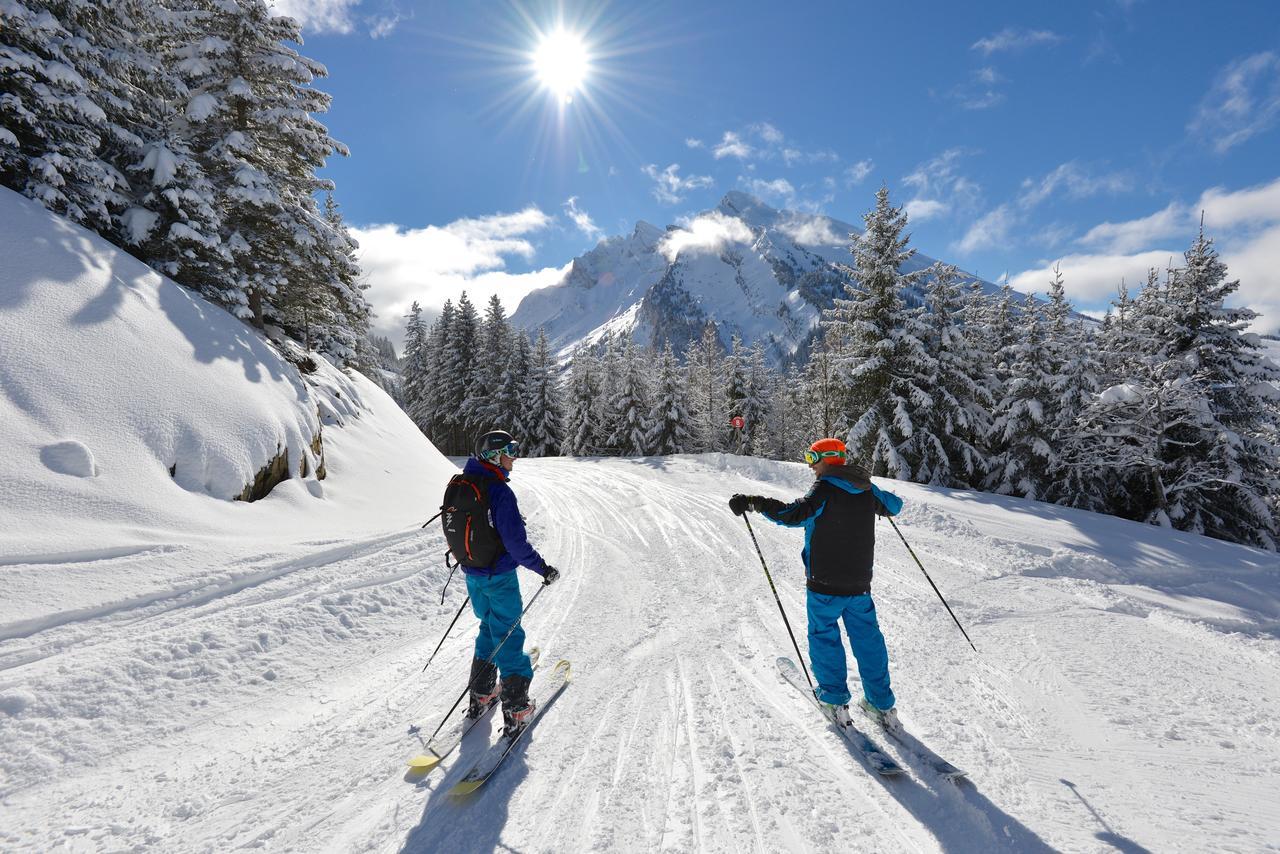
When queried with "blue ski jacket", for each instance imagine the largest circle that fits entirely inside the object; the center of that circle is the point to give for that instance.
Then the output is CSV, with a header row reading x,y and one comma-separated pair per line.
x,y
504,516
838,515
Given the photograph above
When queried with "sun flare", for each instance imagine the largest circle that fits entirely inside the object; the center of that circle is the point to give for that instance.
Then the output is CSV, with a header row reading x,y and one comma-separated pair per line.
x,y
561,63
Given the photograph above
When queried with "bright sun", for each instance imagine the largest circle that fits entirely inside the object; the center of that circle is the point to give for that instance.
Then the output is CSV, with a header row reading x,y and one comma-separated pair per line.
x,y
561,63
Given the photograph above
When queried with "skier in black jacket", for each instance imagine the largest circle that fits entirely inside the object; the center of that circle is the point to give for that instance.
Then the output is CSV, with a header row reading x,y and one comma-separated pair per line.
x,y
838,516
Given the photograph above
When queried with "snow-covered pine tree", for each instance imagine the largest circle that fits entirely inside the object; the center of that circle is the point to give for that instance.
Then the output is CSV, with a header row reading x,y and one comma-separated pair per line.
x,y
543,428
668,430
1020,435
885,357
703,360
514,415
1074,376
1212,344
582,392
251,112
630,401
499,399
757,403
172,222
461,395
416,372
736,370
609,350
55,79
824,393
959,418
436,388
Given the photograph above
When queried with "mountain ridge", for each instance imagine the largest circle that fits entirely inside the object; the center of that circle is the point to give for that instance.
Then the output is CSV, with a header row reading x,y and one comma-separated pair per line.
x,y
761,273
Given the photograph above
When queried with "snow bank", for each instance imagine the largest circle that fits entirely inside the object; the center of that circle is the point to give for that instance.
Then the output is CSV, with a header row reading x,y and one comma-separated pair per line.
x,y
132,412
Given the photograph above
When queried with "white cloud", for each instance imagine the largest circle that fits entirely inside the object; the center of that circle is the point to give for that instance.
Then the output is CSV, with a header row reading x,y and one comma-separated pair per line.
x,y
1014,39
383,25
940,188
669,187
1256,263
1094,278
919,210
319,16
1245,225
779,190
990,230
1244,102
733,146
767,132
437,263
979,91
581,219
858,172
1137,233
694,143
1073,180
813,231
707,233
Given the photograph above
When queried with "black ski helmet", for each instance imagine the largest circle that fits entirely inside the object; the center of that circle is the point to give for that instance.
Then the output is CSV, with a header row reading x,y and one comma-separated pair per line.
x,y
490,444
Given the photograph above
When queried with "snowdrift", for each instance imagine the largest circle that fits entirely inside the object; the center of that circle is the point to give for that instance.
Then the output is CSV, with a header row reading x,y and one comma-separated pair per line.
x,y
132,411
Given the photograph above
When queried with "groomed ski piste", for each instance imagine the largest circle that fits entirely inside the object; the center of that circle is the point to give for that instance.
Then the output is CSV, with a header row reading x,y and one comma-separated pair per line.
x,y
181,673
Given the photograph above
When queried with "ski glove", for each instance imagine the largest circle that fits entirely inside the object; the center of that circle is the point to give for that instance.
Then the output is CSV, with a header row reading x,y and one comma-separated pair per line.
x,y
549,576
740,504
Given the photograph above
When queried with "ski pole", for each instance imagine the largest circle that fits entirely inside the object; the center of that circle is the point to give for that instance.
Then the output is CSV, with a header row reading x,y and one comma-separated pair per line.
x,y
488,660
931,584
778,600
432,519
446,633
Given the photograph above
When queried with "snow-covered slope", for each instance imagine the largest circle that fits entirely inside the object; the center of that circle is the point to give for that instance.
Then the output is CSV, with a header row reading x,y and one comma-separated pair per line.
x,y
757,272
1123,698
111,376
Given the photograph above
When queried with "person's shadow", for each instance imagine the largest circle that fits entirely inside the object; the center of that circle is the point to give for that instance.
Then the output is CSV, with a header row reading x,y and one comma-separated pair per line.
x,y
445,824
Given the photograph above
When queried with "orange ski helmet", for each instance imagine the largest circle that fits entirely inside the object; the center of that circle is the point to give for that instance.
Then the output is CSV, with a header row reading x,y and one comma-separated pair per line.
x,y
826,449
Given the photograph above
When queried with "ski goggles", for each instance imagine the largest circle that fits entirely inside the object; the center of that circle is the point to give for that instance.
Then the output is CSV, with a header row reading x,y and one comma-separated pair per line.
x,y
811,457
511,449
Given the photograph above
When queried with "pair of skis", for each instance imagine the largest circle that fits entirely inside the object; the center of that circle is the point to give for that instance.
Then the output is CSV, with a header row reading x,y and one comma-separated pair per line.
x,y
446,742
880,762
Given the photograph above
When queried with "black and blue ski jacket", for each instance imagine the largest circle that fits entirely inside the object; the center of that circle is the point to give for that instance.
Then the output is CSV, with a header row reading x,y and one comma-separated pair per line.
x,y
838,516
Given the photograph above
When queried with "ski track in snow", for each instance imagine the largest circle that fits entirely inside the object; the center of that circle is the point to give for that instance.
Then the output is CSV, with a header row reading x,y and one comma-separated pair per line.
x,y
269,707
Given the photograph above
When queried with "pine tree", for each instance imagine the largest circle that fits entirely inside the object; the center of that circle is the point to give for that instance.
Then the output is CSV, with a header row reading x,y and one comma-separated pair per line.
x,y
1021,436
959,417
706,414
736,391
543,423
416,378
1074,376
582,392
510,395
251,112
630,402
884,355
668,433
54,130
757,404
1210,342
499,398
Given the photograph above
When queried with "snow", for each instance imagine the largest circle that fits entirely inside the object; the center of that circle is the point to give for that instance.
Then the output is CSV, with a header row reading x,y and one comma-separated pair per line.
x,y
179,672
1122,393
138,224
69,457
201,107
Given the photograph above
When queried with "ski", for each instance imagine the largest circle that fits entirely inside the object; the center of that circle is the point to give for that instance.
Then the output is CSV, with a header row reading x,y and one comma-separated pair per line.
x,y
940,766
447,741
880,762
492,758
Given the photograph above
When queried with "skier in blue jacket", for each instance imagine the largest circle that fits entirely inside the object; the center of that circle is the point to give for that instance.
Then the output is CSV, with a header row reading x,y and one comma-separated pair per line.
x,y
495,589
838,516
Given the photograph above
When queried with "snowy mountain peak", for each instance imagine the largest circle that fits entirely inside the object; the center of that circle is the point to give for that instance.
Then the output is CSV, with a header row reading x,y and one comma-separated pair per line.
x,y
754,271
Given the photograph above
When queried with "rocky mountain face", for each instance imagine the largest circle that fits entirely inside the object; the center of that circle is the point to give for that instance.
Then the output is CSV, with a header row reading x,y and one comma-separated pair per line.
x,y
752,270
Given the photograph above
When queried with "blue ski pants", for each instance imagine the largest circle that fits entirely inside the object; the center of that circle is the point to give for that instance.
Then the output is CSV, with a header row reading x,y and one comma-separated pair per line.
x,y
495,599
826,649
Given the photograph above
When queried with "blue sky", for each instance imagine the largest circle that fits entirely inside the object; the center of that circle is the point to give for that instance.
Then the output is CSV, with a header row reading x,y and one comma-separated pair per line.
x,y
1018,134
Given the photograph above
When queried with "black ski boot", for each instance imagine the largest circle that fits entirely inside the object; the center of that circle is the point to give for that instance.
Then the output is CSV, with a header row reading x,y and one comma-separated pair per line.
x,y
484,687
517,708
